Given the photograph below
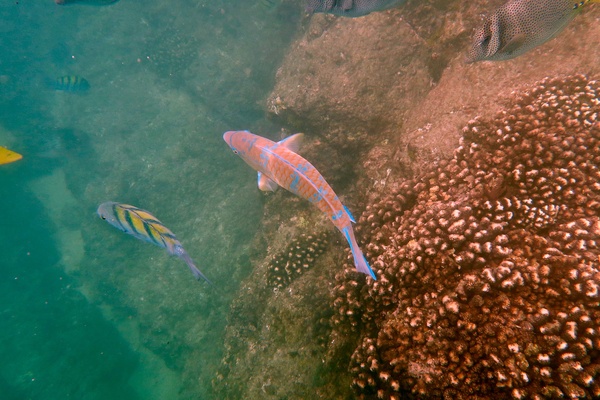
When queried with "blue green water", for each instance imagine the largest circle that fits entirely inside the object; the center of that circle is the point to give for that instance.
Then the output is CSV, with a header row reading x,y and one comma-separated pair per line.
x,y
87,312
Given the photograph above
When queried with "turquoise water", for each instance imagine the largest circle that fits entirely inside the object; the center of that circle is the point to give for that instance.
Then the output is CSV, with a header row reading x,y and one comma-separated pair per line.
x,y
89,313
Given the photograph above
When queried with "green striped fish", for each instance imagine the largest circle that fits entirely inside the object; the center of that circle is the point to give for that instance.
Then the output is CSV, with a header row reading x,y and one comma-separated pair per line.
x,y
145,226
70,83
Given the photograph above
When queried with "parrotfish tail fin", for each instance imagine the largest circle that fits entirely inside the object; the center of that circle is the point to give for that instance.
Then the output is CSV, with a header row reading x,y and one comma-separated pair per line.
x,y
360,262
350,215
293,142
188,260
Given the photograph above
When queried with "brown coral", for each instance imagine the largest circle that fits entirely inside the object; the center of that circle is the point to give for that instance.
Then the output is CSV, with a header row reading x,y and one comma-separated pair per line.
x,y
489,263
295,259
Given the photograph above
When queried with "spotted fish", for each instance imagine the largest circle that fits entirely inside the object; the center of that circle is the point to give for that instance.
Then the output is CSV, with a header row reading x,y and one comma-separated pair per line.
x,y
278,164
145,226
350,8
520,25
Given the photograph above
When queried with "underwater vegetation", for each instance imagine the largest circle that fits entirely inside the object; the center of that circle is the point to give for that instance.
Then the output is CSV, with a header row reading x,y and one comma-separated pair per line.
x,y
489,262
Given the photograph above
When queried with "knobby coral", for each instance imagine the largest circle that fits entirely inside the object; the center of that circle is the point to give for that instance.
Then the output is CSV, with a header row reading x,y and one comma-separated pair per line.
x,y
488,264
295,259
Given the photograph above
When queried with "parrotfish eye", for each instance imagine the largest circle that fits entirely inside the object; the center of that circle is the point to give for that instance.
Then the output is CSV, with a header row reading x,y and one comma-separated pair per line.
x,y
103,217
235,151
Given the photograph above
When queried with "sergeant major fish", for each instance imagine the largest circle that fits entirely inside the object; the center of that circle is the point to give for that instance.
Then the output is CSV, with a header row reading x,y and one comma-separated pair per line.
x,y
279,165
350,8
145,226
520,25
70,83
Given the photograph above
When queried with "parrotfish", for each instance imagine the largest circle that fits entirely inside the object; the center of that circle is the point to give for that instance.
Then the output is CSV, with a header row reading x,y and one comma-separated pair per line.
x,y
70,83
520,25
145,226
350,8
8,156
278,164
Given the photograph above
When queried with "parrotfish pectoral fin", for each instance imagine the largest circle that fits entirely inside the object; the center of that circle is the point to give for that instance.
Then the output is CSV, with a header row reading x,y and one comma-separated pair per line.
x,y
265,184
360,262
293,142
188,260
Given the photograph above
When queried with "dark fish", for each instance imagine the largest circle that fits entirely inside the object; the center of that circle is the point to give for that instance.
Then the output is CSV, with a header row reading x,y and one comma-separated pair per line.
x,y
88,2
520,25
350,8
70,83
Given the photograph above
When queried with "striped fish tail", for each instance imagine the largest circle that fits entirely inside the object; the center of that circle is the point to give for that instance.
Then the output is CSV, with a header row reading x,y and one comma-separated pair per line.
x,y
181,253
360,262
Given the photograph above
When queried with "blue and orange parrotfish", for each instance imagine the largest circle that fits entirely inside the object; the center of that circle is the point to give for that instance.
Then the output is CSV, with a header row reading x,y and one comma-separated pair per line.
x,y
145,226
278,164
520,25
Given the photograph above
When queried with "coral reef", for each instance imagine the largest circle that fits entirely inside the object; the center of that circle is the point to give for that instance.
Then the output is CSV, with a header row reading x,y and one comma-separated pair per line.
x,y
488,262
294,260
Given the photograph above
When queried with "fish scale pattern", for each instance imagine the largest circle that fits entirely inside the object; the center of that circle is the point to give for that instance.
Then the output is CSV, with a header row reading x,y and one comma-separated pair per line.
x,y
323,197
489,263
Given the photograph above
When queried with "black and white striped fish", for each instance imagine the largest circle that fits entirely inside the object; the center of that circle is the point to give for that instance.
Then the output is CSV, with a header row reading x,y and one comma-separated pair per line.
x,y
145,226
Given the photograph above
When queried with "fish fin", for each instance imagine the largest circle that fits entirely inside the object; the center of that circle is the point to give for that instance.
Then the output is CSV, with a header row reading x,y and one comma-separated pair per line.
x,y
513,44
360,261
494,40
350,215
181,253
8,156
266,184
347,5
293,142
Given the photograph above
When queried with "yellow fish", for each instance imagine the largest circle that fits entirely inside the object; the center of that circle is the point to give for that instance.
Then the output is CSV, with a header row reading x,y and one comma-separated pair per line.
x,y
7,156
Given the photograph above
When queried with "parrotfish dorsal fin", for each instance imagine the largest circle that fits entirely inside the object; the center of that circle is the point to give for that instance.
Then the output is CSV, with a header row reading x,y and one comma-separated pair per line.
x,y
293,142
350,215
265,184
